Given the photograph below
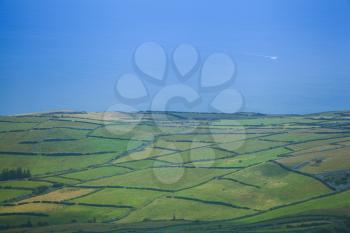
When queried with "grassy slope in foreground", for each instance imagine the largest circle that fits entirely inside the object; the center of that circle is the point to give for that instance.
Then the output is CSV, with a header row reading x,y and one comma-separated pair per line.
x,y
227,175
337,204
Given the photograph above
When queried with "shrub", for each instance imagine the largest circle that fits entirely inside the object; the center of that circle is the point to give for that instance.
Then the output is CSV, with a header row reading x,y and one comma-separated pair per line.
x,y
11,174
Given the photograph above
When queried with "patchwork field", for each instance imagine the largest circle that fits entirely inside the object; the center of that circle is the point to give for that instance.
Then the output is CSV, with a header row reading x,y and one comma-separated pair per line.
x,y
174,172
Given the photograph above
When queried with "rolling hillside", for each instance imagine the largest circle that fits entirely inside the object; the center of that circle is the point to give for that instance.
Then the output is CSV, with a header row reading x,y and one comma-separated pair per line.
x,y
175,172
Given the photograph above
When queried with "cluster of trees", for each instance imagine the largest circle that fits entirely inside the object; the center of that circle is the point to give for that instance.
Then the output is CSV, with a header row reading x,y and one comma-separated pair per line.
x,y
17,173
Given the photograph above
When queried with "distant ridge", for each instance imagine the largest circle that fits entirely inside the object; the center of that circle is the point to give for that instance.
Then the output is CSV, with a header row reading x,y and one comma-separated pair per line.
x,y
242,114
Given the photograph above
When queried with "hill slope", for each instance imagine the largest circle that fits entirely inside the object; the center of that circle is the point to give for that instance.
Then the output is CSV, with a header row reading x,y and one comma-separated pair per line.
x,y
175,172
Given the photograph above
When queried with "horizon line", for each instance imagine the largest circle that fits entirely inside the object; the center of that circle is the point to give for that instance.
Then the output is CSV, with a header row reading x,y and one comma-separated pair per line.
x,y
172,111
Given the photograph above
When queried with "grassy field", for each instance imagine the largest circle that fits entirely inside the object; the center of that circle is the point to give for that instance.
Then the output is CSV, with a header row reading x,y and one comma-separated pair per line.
x,y
121,196
175,172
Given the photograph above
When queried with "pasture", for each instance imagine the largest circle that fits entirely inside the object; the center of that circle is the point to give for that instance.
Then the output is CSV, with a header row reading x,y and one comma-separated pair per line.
x,y
175,172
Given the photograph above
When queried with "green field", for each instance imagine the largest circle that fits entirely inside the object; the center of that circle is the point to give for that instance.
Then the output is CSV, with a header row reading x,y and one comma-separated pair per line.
x,y
175,172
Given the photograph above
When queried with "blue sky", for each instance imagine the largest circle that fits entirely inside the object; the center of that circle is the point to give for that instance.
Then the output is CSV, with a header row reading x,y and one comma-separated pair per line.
x,y
64,54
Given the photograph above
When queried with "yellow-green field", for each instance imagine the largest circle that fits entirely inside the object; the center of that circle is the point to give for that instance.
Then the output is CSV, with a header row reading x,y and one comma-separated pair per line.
x,y
175,172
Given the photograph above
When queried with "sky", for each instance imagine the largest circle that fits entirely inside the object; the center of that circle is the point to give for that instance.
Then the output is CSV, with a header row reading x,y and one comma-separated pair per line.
x,y
290,56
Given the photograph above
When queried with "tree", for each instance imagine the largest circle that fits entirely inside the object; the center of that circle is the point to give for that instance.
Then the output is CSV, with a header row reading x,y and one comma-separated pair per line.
x,y
18,173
